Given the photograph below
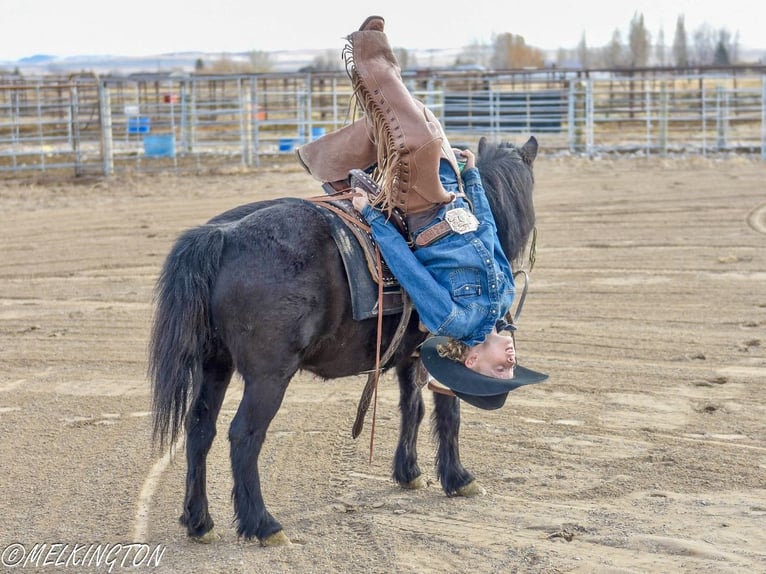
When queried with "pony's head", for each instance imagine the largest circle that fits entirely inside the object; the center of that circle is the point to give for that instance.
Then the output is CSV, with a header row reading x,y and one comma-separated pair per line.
x,y
506,173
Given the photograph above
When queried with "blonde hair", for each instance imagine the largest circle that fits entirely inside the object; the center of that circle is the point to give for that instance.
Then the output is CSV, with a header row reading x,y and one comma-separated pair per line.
x,y
453,349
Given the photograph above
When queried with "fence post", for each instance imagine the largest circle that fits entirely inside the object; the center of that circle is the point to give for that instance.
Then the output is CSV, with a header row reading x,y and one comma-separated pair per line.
x,y
720,120
571,116
105,113
703,112
256,120
41,140
184,139
589,119
494,108
648,106
74,127
763,117
245,123
664,109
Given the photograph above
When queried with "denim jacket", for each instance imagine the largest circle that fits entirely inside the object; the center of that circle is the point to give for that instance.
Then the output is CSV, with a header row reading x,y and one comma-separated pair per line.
x,y
461,284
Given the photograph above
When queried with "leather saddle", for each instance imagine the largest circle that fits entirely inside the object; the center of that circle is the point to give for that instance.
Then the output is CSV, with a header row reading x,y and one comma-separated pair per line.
x,y
358,251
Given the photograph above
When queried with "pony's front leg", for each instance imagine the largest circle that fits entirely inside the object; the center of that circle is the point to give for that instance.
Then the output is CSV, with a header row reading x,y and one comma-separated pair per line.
x,y
406,471
260,403
455,479
200,432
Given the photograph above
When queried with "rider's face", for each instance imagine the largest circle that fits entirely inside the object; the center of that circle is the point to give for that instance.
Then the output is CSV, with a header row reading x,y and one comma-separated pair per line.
x,y
495,357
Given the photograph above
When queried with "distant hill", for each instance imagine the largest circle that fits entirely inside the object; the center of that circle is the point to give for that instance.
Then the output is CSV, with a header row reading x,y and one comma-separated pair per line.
x,y
35,60
283,61
184,62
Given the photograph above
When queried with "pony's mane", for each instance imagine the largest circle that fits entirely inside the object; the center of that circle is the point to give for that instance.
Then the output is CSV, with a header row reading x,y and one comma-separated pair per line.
x,y
506,173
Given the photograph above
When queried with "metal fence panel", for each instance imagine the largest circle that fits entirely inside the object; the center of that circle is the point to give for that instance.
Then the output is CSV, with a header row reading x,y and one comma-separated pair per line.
x,y
105,125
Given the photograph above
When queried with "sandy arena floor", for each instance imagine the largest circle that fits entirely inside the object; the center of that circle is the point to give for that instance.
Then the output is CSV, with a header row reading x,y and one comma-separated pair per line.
x,y
644,452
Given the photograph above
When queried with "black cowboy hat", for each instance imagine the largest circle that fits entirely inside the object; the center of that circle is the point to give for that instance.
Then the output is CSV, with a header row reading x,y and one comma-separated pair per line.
x,y
479,390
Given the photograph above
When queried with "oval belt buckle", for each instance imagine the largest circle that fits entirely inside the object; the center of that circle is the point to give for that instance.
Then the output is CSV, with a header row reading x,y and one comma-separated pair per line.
x,y
461,220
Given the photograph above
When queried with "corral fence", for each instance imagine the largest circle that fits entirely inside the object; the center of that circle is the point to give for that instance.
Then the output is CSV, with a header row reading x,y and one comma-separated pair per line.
x,y
102,125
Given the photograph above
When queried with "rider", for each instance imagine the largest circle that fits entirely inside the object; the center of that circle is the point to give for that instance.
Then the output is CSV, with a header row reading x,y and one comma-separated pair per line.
x,y
398,158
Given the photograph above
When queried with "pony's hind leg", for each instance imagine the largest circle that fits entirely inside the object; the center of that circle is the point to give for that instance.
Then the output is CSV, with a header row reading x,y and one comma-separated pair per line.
x,y
455,479
200,432
406,471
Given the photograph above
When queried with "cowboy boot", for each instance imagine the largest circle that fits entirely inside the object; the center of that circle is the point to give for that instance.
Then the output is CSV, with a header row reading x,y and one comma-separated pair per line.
x,y
332,156
409,138
373,23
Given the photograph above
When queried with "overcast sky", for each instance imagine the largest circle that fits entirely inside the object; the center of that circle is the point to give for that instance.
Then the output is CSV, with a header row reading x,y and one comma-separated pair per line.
x,y
150,27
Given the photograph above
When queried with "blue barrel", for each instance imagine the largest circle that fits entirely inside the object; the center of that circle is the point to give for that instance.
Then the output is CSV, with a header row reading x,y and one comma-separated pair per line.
x,y
286,144
160,145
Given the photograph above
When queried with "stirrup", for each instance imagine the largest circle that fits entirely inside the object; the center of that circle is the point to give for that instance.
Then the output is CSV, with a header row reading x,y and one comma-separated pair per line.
x,y
436,387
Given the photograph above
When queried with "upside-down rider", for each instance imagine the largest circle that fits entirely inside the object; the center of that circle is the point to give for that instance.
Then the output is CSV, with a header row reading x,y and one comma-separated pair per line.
x,y
398,159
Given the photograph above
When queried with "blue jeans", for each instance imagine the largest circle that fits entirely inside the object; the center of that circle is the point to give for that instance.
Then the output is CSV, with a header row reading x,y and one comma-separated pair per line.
x,y
460,284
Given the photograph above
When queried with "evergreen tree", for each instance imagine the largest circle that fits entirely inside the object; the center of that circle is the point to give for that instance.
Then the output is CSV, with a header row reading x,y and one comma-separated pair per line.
x,y
721,56
659,48
680,48
639,41
614,51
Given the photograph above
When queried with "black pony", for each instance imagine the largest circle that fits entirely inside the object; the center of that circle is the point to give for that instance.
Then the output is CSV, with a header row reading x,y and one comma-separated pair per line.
x,y
261,290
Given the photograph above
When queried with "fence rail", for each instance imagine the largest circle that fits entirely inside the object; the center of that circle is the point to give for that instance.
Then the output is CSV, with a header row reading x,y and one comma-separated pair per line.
x,y
107,125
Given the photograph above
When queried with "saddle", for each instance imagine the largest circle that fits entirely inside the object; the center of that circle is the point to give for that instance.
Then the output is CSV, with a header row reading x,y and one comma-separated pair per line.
x,y
358,251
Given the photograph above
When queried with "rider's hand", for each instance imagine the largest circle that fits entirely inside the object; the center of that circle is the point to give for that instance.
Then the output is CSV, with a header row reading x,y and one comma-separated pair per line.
x,y
467,156
360,200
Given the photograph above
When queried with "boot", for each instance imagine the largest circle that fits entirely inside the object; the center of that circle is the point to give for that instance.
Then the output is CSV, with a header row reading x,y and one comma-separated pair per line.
x,y
409,138
332,156
373,23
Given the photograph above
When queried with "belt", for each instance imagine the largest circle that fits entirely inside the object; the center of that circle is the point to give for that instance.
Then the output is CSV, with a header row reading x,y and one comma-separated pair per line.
x,y
458,220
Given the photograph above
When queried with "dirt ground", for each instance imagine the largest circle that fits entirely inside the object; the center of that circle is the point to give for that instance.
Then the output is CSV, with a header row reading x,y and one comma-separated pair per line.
x,y
645,451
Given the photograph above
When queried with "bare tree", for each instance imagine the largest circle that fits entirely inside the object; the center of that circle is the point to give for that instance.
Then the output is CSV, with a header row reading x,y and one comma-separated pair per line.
x,y
704,41
659,48
225,65
405,58
327,61
260,61
639,41
680,44
582,52
614,53
511,51
475,53
562,57
734,49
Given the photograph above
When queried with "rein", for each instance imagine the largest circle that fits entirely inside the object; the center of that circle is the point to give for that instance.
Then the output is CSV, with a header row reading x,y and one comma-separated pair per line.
x,y
370,392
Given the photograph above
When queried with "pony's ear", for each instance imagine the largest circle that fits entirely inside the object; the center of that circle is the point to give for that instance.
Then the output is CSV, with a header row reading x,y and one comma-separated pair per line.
x,y
529,151
482,145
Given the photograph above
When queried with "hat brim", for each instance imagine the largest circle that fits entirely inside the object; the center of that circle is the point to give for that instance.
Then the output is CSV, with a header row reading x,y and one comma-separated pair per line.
x,y
472,387
489,403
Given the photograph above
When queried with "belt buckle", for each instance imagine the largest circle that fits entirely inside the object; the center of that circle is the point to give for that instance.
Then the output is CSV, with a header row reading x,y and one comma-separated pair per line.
x,y
461,220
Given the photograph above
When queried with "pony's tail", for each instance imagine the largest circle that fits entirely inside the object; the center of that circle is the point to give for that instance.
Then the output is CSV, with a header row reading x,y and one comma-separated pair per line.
x,y
181,333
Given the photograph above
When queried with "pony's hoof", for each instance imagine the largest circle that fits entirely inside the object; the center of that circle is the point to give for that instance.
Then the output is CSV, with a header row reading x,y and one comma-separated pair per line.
x,y
208,538
279,538
471,489
417,483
